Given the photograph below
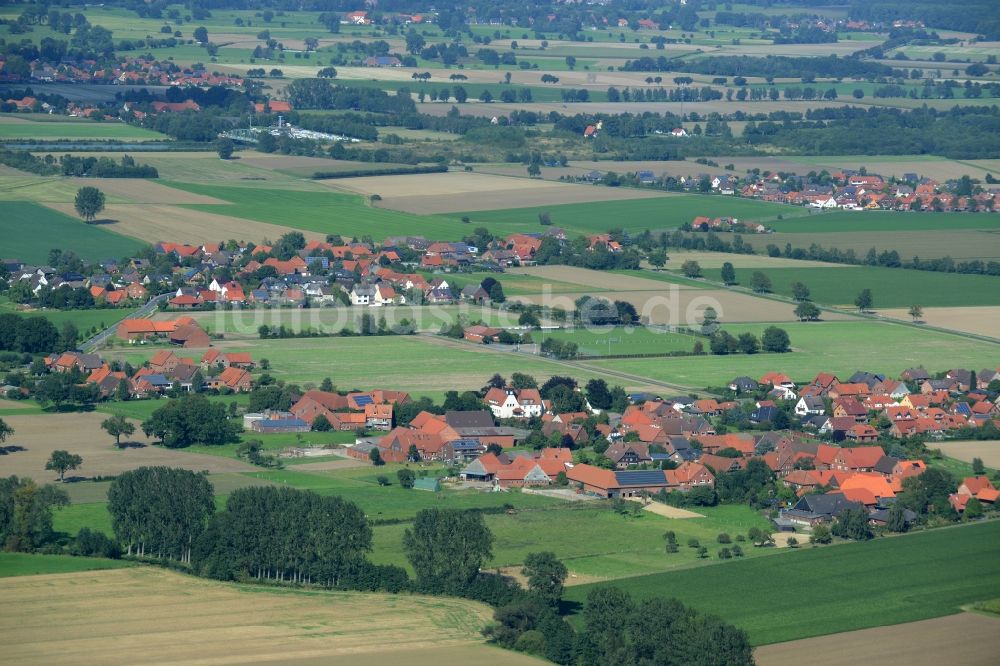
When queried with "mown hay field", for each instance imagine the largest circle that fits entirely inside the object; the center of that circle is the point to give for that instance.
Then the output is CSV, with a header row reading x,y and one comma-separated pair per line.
x,y
977,320
784,598
427,194
987,450
970,639
41,434
181,224
145,615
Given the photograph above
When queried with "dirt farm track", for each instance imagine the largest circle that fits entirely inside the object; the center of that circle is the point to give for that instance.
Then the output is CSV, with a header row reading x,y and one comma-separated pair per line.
x,y
969,639
145,615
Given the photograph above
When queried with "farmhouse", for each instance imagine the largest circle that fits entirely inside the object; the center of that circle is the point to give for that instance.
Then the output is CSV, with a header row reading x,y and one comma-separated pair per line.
x,y
482,334
510,403
622,484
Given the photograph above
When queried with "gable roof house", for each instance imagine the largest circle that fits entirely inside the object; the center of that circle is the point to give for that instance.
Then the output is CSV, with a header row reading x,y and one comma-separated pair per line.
x,y
812,510
514,403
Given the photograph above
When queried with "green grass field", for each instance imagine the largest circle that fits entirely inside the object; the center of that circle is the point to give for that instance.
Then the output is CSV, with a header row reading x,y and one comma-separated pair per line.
x,y
29,231
12,128
83,319
852,222
891,287
29,564
631,215
621,340
142,409
615,546
420,365
245,323
841,588
841,347
324,212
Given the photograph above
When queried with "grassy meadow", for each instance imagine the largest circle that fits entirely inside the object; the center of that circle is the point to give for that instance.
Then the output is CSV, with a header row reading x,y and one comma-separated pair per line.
x,y
84,320
890,287
858,221
621,340
616,546
840,588
29,564
322,212
30,231
420,365
24,127
841,347
632,215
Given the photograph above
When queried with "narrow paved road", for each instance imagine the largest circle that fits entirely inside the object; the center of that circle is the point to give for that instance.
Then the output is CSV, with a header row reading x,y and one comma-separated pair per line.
x,y
146,310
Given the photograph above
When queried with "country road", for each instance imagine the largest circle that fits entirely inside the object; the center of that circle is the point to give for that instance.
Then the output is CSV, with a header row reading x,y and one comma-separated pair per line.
x,y
146,310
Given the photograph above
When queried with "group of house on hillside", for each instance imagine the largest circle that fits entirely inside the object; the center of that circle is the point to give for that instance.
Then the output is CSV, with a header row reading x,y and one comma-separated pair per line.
x,y
165,371
868,405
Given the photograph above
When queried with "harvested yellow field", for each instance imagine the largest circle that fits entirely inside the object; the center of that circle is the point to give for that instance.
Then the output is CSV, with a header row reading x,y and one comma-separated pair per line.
x,y
969,639
673,306
38,435
988,450
588,278
138,190
979,320
146,615
163,222
431,193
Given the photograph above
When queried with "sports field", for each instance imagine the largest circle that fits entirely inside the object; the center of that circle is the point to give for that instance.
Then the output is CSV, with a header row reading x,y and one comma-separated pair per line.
x,y
150,615
887,581
30,231
841,347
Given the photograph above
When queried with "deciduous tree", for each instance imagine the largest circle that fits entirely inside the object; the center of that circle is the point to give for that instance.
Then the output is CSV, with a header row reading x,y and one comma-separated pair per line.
x,y
89,202
446,548
116,426
63,461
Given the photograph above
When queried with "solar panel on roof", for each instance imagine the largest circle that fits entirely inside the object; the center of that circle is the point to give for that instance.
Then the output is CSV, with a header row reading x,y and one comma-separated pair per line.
x,y
639,478
363,400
